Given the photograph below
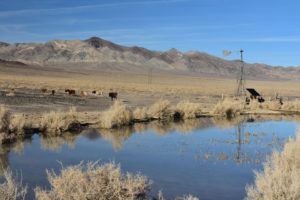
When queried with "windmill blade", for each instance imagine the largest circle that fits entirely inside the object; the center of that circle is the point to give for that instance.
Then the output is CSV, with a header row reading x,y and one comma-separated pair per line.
x,y
226,52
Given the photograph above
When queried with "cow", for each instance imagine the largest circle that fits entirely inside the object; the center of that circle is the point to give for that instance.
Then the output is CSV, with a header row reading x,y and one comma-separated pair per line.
x,y
43,90
113,95
97,92
70,91
83,93
53,92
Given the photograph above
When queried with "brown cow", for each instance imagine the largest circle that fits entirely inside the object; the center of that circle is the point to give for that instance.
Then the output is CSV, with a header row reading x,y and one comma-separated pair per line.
x,y
70,91
53,92
83,93
113,95
43,90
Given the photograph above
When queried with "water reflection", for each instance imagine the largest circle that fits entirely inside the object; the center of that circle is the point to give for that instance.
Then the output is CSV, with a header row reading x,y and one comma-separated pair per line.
x,y
212,158
56,141
237,137
17,147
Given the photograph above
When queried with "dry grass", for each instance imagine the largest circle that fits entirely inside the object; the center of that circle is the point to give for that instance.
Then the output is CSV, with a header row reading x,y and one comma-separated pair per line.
x,y
116,116
274,105
11,188
59,121
160,110
255,105
5,118
141,114
94,181
17,123
294,106
11,126
271,105
229,108
280,179
187,110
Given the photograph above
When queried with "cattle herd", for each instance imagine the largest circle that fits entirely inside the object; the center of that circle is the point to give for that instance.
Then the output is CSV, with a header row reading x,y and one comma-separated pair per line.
x,y
112,95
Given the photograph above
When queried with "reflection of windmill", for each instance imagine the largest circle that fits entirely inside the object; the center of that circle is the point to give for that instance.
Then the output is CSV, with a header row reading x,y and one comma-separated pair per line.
x,y
240,131
241,81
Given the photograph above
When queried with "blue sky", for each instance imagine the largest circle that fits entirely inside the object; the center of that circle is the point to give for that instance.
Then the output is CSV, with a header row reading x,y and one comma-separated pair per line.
x,y
268,31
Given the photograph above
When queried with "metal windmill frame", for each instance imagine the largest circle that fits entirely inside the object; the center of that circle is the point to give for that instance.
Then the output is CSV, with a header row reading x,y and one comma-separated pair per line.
x,y
241,79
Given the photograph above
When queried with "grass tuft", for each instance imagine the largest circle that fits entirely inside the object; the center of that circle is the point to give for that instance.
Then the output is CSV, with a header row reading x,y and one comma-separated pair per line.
x,y
140,114
229,108
94,181
5,118
187,110
160,110
11,188
59,121
280,178
116,116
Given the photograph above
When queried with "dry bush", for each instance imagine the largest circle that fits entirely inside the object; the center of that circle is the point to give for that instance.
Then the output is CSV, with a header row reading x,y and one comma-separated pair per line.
x,y
187,110
280,178
5,118
59,121
271,105
94,181
116,116
255,105
140,114
11,188
229,108
160,110
17,123
294,106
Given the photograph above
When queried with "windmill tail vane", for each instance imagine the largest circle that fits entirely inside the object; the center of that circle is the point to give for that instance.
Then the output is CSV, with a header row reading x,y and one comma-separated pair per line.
x,y
226,52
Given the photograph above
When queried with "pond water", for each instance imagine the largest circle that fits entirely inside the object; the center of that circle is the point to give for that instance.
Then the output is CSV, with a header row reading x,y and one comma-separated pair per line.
x,y
208,158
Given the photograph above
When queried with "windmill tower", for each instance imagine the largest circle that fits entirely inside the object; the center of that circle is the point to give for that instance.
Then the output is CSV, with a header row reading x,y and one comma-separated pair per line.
x,y
241,80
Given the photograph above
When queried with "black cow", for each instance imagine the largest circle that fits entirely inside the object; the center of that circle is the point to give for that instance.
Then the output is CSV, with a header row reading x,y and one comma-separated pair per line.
x,y
113,95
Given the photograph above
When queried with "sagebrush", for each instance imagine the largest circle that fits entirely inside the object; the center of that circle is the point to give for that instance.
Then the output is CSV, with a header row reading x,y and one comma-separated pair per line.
x,y
94,181
280,178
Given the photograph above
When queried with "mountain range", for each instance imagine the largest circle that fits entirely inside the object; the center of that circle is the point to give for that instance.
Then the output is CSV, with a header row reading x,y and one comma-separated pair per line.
x,y
99,54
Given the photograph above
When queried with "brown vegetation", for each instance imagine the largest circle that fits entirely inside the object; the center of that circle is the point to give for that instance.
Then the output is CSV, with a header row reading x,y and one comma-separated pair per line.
x,y
229,108
59,121
187,110
90,181
94,181
280,179
116,116
12,188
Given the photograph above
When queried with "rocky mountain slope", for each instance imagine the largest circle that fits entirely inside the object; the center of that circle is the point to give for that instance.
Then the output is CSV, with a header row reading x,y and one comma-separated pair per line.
x,y
96,53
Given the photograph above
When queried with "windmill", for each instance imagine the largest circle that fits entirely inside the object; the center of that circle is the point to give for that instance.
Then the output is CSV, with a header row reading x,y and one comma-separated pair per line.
x,y
240,92
241,81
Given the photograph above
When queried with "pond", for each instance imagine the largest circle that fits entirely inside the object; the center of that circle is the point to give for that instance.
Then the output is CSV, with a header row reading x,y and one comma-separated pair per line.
x,y
208,158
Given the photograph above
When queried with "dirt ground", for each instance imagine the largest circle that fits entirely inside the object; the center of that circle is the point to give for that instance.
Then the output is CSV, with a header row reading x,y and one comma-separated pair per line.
x,y
20,89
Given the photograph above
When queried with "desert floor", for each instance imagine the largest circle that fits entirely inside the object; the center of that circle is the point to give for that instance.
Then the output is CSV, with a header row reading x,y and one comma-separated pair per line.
x,y
20,89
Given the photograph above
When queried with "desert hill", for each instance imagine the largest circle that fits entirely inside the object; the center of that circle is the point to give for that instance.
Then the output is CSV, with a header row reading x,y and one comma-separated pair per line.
x,y
96,53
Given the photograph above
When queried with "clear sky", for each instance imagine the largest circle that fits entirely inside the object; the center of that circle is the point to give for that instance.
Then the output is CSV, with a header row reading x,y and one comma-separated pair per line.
x,y
267,30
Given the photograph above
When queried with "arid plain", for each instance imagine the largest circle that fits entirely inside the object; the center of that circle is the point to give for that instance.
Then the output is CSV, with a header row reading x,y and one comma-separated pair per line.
x,y
21,88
